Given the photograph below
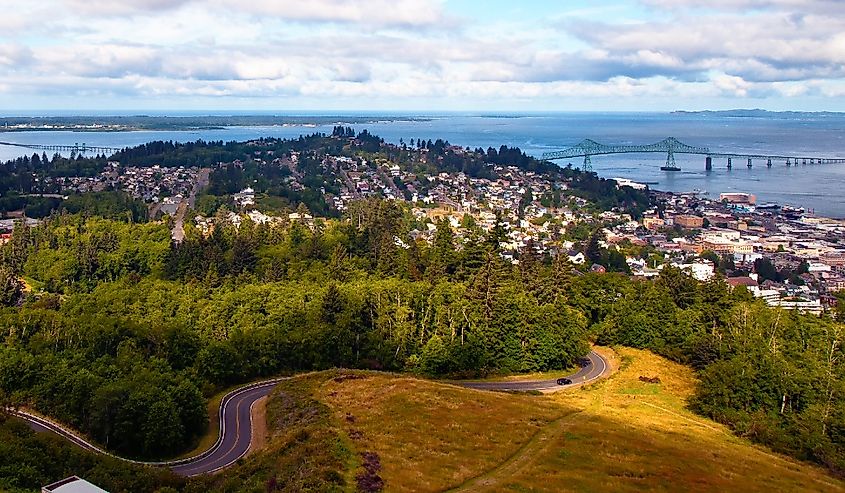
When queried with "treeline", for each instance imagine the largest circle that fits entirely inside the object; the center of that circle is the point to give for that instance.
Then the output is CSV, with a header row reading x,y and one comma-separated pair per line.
x,y
30,460
24,175
71,253
774,376
110,205
256,169
604,194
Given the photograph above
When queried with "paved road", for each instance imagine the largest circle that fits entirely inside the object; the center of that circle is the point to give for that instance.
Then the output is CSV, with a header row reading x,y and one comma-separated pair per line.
x,y
234,437
235,418
593,368
235,432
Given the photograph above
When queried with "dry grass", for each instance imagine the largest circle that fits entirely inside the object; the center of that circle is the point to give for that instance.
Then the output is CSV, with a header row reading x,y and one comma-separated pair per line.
x,y
636,436
522,377
431,436
620,434
258,413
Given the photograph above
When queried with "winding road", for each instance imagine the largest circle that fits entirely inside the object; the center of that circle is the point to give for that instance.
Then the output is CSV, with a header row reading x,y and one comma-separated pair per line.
x,y
235,418
594,367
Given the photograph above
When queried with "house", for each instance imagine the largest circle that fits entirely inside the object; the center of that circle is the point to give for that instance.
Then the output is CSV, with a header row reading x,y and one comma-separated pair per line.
x,y
598,269
577,258
245,197
702,270
741,281
73,484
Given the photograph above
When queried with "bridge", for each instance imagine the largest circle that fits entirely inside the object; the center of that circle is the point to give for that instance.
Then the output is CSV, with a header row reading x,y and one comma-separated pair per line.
x,y
78,148
671,146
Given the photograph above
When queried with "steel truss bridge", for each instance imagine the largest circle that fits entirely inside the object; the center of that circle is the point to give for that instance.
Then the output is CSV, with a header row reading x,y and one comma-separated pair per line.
x,y
671,146
78,148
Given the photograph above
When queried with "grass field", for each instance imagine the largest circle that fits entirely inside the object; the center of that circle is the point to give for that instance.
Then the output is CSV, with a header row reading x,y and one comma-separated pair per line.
x,y
634,436
619,434
522,377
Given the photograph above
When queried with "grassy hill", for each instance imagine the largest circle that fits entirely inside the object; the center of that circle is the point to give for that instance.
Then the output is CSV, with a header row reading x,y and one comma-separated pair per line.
x,y
336,431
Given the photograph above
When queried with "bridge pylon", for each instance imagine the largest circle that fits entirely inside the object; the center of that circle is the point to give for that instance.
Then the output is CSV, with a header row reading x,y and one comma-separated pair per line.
x,y
588,164
670,159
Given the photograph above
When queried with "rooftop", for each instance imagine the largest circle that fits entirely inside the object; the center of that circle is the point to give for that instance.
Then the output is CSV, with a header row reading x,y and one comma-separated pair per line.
x,y
73,484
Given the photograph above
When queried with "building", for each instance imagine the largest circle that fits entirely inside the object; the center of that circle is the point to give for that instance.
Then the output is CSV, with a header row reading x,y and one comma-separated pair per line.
x,y
701,271
738,198
245,197
73,484
689,222
799,304
746,281
653,223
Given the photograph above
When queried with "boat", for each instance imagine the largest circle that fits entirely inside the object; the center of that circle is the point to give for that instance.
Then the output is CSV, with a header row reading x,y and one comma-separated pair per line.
x,y
792,212
670,168
768,207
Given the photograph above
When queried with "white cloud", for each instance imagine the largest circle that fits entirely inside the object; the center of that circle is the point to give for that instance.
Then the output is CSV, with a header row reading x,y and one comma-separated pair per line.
x,y
414,49
370,12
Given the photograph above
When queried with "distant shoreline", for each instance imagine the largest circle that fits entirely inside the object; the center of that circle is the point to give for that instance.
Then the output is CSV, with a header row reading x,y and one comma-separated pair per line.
x,y
181,123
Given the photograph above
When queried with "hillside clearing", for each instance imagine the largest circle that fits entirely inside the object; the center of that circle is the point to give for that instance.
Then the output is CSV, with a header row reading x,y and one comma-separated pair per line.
x,y
621,434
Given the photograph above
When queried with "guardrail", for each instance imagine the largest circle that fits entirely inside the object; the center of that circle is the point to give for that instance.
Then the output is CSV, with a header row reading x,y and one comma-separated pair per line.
x,y
74,437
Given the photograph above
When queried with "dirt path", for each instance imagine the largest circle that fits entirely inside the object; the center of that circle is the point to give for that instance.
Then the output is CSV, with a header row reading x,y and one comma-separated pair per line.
x,y
259,425
535,448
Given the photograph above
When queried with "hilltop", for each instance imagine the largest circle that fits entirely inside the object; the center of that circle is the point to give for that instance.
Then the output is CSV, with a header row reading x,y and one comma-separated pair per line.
x,y
406,434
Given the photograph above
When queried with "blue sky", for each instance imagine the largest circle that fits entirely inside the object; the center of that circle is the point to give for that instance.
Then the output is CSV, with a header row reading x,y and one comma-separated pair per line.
x,y
422,55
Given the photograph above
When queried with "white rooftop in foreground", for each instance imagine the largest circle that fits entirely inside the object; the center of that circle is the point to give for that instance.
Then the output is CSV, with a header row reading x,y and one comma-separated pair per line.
x,y
73,484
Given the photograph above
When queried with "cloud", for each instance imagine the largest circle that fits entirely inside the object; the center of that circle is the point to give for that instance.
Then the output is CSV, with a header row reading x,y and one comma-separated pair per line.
x,y
107,8
369,12
807,6
765,46
379,12
15,56
383,50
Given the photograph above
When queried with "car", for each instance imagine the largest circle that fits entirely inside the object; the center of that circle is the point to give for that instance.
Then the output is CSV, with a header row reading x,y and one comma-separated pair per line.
x,y
564,381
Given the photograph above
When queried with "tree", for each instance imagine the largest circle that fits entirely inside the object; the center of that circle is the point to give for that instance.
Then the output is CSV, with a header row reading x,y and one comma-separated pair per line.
x,y
443,250
593,251
710,255
434,359
766,270
219,363
11,288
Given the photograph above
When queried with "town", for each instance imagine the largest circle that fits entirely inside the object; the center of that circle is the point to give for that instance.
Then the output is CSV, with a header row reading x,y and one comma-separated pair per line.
x,y
787,257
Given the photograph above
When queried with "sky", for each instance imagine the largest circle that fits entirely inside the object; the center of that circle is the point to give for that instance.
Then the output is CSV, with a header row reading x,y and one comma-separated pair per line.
x,y
421,55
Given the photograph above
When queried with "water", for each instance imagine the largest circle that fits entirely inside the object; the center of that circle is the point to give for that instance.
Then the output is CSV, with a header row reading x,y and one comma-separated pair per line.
x,y
816,187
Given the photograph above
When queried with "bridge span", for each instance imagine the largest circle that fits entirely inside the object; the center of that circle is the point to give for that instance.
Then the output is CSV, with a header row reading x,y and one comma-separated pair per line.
x,y
671,146
78,148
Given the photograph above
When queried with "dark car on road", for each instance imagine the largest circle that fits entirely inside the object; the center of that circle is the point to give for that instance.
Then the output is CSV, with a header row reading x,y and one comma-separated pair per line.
x,y
564,381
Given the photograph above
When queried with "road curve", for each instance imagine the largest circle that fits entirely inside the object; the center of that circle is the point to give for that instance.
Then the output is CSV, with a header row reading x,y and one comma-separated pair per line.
x,y
594,367
235,419
233,440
